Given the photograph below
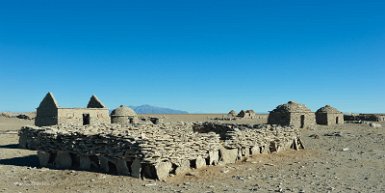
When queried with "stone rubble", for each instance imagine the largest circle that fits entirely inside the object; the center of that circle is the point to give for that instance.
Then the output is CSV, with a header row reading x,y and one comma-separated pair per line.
x,y
153,151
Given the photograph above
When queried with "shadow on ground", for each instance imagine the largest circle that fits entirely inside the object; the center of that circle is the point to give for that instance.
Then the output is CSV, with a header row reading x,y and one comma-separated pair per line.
x,y
10,146
26,161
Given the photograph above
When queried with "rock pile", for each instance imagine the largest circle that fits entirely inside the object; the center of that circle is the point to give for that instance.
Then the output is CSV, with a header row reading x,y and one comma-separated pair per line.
x,y
153,151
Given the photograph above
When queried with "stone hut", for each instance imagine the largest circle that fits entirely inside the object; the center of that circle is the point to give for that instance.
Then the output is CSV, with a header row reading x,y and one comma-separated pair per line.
x,y
232,113
50,113
123,115
329,115
248,114
292,113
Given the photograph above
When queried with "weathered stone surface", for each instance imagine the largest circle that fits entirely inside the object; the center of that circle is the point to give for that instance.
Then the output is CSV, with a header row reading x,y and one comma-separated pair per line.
x,y
213,157
63,160
43,158
85,162
183,167
163,170
137,150
136,168
121,167
228,155
200,162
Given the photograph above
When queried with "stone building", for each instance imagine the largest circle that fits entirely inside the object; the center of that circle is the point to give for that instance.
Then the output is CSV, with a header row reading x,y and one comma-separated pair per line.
x,y
248,114
292,113
232,113
329,115
50,113
123,115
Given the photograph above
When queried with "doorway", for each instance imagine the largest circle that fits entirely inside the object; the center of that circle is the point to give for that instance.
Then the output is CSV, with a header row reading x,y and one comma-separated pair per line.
x,y
302,121
337,120
86,119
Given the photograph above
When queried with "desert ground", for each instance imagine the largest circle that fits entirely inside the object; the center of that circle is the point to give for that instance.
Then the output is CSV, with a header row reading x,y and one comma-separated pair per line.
x,y
346,158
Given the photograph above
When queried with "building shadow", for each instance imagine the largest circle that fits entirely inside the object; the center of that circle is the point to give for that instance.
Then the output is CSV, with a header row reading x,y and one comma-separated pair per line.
x,y
10,146
26,161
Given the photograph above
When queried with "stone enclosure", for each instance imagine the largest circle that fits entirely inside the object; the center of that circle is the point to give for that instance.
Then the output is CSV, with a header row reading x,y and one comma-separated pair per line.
x,y
153,151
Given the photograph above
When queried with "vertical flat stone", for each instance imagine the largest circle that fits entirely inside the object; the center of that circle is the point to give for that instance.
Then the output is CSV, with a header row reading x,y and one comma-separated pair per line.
x,y
255,150
43,158
163,170
63,160
184,167
200,162
104,164
214,157
121,167
228,155
85,162
136,168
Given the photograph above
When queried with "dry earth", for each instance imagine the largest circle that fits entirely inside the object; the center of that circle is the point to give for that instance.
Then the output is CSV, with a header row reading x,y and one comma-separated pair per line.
x,y
350,161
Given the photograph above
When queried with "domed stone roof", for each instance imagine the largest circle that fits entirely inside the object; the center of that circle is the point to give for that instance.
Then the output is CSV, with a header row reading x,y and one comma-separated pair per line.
x,y
123,111
291,107
328,109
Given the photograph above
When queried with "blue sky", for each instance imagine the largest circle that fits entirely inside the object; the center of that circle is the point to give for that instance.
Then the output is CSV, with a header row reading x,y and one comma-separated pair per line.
x,y
199,56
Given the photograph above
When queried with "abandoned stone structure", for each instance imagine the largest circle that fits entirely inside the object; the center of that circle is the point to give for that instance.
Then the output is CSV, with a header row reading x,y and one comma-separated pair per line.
x,y
292,113
153,151
232,113
248,114
49,113
365,117
329,115
123,115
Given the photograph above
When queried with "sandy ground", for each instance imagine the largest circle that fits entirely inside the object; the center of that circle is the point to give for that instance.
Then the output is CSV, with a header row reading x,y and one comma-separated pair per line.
x,y
351,162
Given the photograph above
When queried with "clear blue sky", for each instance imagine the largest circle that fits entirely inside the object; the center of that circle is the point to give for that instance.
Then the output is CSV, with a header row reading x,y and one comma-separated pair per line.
x,y
199,56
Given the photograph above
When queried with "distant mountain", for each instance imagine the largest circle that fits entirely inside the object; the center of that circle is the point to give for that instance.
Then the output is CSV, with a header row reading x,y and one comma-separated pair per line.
x,y
148,109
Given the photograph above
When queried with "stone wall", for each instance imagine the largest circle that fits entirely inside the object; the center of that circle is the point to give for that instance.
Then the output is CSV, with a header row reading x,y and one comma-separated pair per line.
x,y
329,118
153,151
298,120
74,116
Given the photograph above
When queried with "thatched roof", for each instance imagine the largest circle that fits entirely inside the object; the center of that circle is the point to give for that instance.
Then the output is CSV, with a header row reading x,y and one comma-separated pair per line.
x,y
291,107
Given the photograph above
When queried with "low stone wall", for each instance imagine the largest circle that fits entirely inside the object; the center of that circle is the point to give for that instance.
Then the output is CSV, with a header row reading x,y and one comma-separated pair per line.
x,y
153,151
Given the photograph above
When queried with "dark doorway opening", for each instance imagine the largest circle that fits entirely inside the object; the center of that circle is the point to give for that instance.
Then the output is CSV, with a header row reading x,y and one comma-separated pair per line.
x,y
302,121
337,120
86,119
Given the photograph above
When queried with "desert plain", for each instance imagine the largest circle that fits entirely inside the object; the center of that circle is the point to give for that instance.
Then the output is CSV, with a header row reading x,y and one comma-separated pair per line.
x,y
343,158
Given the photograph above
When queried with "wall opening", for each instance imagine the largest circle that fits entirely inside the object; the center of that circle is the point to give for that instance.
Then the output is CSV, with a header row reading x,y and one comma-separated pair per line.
x,y
337,120
302,121
86,119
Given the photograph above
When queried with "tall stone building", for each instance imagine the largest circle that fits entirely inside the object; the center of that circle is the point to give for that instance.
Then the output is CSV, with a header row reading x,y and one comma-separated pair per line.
x,y
123,115
292,113
49,113
329,115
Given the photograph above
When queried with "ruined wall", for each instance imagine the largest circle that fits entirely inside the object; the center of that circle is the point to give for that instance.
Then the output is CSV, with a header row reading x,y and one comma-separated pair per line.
x,y
122,120
153,151
329,119
292,119
75,116
296,120
279,118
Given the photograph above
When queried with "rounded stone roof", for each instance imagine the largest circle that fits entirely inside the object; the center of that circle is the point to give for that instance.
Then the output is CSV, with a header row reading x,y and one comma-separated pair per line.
x,y
291,107
328,109
123,111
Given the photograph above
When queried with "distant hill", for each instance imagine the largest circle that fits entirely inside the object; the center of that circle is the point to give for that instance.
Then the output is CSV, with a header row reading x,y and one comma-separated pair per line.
x,y
148,109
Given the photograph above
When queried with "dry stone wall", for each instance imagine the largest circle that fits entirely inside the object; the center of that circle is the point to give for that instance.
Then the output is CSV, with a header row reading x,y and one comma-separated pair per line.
x,y
153,151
